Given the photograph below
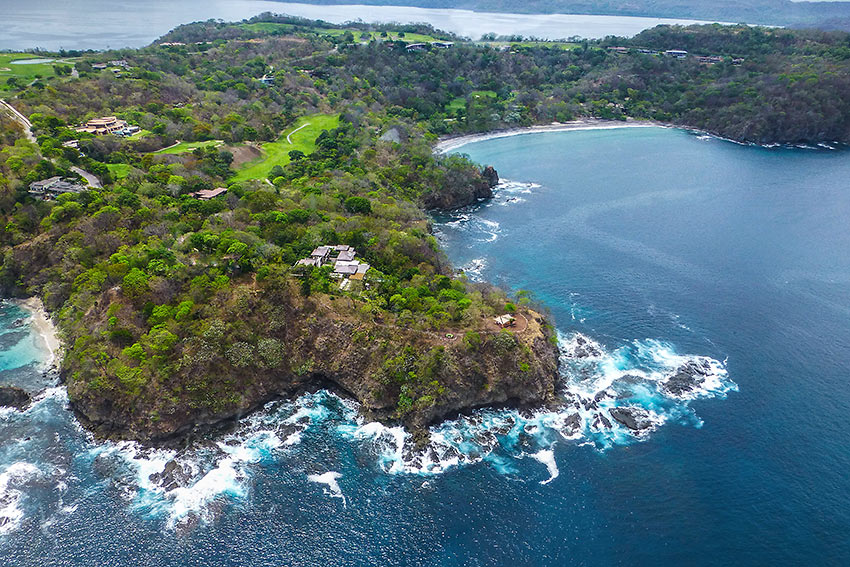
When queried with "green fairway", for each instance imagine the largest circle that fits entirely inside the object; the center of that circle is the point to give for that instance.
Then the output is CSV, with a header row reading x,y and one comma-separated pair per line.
x,y
184,147
118,170
282,29
28,72
303,136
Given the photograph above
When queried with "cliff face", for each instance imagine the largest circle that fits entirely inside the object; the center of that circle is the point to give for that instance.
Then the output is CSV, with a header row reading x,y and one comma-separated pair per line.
x,y
397,374
462,190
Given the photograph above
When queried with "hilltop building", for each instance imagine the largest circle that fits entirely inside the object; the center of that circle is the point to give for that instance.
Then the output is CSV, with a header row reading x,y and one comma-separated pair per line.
x,y
104,125
207,194
343,259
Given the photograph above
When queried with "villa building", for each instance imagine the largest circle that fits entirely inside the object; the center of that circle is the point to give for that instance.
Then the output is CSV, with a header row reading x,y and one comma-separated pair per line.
x,y
207,194
51,188
342,257
102,126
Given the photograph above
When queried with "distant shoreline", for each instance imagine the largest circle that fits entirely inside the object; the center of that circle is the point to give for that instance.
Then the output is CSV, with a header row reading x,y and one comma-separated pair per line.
x,y
44,328
451,143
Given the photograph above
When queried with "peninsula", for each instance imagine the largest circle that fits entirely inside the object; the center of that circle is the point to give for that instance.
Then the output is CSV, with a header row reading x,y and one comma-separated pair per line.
x,y
262,227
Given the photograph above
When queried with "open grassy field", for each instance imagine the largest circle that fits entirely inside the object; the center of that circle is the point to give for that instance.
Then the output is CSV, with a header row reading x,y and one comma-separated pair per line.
x,y
140,134
460,102
272,28
25,73
118,170
302,136
184,147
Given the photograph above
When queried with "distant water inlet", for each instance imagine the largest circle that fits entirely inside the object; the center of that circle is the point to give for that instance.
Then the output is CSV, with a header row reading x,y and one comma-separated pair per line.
x,y
101,24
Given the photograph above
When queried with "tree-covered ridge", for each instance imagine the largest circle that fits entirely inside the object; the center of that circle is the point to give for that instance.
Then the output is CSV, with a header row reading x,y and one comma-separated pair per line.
x,y
179,311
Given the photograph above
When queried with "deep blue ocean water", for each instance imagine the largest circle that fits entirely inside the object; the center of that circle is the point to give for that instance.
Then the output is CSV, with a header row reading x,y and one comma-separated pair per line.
x,y
659,247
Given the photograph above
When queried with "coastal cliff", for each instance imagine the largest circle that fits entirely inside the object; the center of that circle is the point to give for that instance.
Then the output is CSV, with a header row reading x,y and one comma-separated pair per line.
x,y
468,188
269,343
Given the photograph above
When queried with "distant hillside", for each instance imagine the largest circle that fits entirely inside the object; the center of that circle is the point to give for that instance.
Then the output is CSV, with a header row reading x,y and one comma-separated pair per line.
x,y
825,15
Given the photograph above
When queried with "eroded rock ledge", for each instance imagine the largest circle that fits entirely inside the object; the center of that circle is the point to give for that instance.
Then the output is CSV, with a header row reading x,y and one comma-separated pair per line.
x,y
398,375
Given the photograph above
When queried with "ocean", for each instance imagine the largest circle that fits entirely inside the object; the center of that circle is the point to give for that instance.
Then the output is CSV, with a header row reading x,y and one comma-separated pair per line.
x,y
653,248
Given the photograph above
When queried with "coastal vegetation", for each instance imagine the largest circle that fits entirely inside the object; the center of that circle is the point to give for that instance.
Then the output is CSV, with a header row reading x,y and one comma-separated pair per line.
x,y
178,311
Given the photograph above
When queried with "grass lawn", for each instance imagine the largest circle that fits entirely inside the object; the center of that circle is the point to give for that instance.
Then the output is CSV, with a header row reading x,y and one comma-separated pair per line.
x,y
184,147
457,104
460,102
273,28
140,134
118,170
25,73
303,135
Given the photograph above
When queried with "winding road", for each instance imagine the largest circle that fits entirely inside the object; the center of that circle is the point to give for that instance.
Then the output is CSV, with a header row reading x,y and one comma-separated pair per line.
x,y
20,119
92,179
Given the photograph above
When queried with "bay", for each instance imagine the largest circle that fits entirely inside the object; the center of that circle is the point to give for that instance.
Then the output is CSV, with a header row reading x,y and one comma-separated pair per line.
x,y
113,24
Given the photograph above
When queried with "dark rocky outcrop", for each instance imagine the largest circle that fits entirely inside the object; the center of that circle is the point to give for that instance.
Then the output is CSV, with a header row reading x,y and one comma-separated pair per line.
x,y
461,189
491,176
13,397
636,419
323,346
687,378
585,348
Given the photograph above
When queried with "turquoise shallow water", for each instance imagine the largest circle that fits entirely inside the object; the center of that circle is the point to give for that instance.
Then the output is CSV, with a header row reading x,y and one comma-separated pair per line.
x,y
655,248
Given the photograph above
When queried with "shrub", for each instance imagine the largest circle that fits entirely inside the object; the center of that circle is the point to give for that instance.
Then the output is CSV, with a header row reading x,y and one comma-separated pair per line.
x,y
358,205
472,341
240,354
271,352
135,283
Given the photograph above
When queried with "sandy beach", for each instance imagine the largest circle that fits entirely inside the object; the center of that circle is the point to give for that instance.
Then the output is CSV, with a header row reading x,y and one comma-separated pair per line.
x,y
44,328
454,142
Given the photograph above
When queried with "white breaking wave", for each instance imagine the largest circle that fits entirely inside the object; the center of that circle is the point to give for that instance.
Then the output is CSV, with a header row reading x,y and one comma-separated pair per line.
x,y
609,398
474,269
190,486
12,481
329,479
547,457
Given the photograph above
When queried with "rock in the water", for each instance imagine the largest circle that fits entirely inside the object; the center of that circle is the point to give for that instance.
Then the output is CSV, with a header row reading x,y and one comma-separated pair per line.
x,y
687,378
490,175
585,348
13,397
172,476
636,419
